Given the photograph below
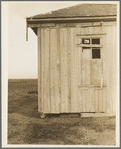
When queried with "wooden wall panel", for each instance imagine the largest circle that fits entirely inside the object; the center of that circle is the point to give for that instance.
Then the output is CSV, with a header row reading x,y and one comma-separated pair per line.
x,y
74,71
46,75
92,99
114,46
104,102
96,72
86,73
54,72
96,95
107,66
110,67
64,70
100,100
85,96
69,68
79,53
92,102
111,79
88,100
61,68
39,70
99,97
80,99
113,69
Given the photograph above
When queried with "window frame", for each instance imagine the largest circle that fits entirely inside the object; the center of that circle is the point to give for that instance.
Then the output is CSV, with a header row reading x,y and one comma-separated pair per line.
x,y
90,46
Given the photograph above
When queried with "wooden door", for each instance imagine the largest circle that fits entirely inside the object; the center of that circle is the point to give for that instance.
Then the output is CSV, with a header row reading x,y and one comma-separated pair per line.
x,y
91,76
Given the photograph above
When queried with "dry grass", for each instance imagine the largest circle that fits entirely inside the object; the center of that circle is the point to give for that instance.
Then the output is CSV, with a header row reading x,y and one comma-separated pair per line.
x,y
26,127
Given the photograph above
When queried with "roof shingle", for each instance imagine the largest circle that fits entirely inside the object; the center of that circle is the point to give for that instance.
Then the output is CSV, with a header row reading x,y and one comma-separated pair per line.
x,y
81,10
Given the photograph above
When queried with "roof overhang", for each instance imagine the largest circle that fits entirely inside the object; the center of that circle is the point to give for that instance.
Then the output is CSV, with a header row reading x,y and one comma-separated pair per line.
x,y
35,23
41,20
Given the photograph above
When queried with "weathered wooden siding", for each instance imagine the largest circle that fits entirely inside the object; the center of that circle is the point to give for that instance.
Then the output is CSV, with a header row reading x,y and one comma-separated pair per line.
x,y
110,67
64,70
54,72
39,70
66,81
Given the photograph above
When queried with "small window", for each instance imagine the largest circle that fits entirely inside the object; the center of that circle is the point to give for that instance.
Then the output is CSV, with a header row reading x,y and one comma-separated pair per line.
x,y
96,41
86,41
96,53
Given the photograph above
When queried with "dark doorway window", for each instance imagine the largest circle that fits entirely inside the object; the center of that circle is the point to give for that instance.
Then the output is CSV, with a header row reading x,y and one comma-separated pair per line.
x,y
96,53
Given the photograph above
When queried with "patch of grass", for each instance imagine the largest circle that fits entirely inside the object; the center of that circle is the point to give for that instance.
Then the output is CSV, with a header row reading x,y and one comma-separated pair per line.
x,y
27,106
111,127
33,92
99,125
41,133
13,134
29,128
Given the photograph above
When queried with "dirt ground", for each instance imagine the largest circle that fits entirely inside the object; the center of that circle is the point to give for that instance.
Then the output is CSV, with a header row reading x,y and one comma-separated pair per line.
x,y
26,127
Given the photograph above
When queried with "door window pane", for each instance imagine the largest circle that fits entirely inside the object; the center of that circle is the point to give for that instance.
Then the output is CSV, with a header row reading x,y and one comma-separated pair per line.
x,y
95,40
96,53
86,41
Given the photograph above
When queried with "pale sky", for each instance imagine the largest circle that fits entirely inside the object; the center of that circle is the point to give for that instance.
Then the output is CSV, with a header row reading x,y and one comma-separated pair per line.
x,y
22,54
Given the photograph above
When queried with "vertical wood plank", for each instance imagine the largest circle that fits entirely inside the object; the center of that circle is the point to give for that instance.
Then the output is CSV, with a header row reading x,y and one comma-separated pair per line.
x,y
108,67
100,94
96,72
74,69
54,72
111,92
79,50
86,103
64,70
79,53
46,73
43,72
39,70
69,68
77,108
59,65
104,100
96,100
86,72
92,104
105,69
80,100
87,99
83,101
114,68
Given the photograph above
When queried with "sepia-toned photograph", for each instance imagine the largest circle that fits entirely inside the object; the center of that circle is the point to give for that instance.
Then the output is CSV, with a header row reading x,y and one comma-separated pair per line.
x,y
60,74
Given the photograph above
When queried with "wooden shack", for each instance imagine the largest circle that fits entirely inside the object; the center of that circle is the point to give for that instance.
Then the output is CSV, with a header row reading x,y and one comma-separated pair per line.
x,y
77,59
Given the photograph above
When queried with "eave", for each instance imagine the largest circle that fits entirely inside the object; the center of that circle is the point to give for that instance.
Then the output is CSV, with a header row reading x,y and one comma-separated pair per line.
x,y
35,23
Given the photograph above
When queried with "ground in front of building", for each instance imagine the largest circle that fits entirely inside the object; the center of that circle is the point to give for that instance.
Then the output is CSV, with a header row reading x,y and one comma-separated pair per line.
x,y
26,127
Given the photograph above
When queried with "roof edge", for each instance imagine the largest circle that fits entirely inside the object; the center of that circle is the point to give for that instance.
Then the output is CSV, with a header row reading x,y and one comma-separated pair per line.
x,y
113,17
31,18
